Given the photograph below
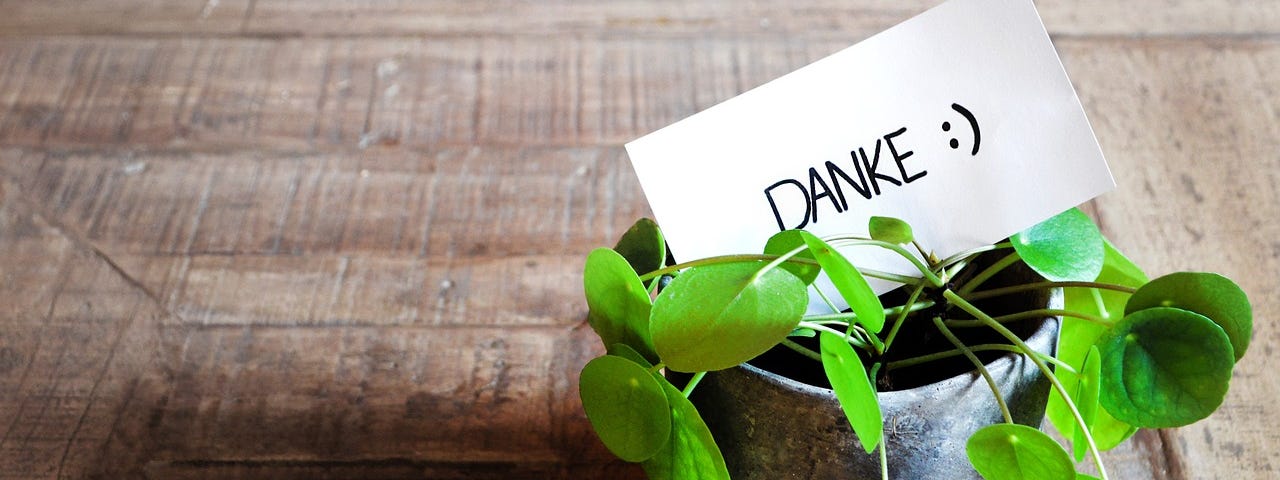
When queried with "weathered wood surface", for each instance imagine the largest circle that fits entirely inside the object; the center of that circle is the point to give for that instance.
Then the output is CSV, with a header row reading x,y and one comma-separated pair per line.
x,y
268,239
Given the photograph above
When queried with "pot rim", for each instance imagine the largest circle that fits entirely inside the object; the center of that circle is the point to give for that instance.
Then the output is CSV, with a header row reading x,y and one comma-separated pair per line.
x,y
1049,327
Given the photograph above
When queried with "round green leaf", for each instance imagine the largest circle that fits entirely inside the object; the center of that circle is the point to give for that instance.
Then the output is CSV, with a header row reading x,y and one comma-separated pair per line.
x,y
691,452
619,304
1067,247
784,242
1009,451
1208,294
1164,367
717,316
643,246
849,281
626,406
1077,337
889,229
853,388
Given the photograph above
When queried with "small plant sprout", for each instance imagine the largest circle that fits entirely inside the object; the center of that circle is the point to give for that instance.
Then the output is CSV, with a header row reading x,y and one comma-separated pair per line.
x,y
1132,353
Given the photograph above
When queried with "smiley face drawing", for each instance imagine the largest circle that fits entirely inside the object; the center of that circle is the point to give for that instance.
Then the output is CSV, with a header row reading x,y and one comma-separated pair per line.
x,y
973,123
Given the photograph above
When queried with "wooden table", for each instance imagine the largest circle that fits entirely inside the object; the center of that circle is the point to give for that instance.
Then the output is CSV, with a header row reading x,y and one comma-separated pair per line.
x,y
274,239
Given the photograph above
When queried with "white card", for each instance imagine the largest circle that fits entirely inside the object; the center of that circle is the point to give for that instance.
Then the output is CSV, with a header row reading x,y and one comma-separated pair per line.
x,y
979,136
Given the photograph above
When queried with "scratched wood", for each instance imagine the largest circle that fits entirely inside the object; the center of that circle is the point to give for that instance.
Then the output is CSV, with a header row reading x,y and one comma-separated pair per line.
x,y
265,239
626,17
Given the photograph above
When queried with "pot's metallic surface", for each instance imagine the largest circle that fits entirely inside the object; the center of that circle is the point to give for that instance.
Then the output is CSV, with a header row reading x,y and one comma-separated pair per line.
x,y
772,427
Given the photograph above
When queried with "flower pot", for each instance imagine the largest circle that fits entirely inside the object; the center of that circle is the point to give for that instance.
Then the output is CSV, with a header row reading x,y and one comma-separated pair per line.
x,y
769,426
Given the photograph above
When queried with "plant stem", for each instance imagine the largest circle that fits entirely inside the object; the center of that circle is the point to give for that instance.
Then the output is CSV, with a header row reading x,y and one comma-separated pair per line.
x,y
693,382
883,275
721,259
970,253
924,270
824,298
923,254
848,317
802,350
884,460
658,367
819,327
909,362
982,369
902,316
1053,379
991,271
995,292
1043,312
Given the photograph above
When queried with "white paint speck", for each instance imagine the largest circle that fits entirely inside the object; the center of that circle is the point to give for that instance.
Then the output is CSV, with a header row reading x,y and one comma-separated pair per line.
x,y
388,67
134,168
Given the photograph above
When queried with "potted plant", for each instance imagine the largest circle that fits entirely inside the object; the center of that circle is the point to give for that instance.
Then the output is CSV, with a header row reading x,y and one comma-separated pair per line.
x,y
1130,353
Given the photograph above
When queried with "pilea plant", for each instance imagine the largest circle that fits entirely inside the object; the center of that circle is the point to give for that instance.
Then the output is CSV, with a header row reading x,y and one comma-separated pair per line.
x,y
1132,353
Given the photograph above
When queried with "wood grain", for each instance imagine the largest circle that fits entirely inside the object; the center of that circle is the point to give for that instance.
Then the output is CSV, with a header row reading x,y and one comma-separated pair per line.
x,y
268,239
621,17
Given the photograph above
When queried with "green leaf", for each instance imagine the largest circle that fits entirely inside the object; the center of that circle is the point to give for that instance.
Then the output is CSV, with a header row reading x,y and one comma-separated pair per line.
x,y
1164,367
1082,476
1077,336
784,242
643,246
717,316
691,452
857,397
849,281
1009,451
619,304
1208,294
1086,398
627,407
889,229
1067,247
624,351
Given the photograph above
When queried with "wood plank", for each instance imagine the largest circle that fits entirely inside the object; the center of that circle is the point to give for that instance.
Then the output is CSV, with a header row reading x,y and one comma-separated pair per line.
x,y
426,93
1194,157
98,380
128,16
621,17
367,93
460,237
446,203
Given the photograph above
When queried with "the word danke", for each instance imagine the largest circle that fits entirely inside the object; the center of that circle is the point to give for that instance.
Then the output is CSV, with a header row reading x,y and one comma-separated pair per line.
x,y
832,185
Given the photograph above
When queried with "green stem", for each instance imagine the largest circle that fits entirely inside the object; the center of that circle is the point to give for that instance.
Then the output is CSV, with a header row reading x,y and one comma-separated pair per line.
x,y
902,316
920,248
721,259
1002,347
1053,379
693,382
991,271
1043,312
995,292
982,369
802,350
656,368
924,270
824,298
823,328
967,254
849,317
883,275
884,459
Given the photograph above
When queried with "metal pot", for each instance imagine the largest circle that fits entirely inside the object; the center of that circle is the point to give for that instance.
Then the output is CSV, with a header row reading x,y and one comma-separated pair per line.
x,y
773,427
